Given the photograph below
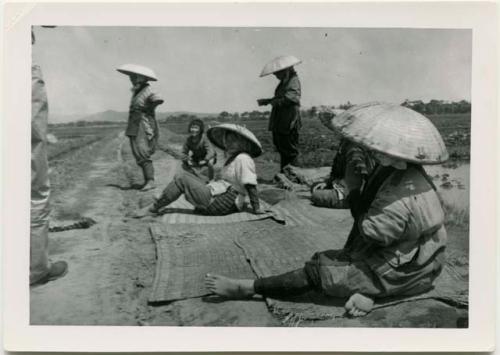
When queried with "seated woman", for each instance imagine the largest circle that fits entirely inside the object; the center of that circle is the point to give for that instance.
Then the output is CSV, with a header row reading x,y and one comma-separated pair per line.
x,y
351,166
396,245
198,156
226,195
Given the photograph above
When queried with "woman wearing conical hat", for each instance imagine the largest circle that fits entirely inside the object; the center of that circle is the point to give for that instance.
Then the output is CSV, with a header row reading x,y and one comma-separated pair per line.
x,y
285,120
142,127
238,178
396,245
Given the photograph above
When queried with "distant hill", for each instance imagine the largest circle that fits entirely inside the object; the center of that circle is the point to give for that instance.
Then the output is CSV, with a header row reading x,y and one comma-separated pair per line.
x,y
120,116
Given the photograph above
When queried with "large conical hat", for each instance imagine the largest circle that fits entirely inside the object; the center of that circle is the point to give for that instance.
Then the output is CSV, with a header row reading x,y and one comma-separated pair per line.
x,y
216,136
138,69
279,63
393,130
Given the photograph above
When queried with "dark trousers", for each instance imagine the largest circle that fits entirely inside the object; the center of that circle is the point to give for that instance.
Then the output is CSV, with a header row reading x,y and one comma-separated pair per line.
x,y
197,193
142,149
287,146
292,283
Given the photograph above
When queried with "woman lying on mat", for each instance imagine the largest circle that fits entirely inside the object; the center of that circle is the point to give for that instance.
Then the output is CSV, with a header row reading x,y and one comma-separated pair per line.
x,y
226,195
198,156
396,245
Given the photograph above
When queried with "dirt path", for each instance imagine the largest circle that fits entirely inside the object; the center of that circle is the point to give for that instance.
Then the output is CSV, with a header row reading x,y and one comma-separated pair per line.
x,y
112,264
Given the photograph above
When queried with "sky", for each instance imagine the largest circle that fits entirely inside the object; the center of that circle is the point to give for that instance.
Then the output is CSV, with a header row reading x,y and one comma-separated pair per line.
x,y
209,70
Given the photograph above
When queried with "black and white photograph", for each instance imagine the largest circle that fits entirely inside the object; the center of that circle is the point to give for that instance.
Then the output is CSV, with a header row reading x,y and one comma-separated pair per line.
x,y
250,176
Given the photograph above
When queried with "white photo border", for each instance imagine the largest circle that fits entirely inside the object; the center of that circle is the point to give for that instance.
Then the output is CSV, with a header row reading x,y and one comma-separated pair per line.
x,y
18,19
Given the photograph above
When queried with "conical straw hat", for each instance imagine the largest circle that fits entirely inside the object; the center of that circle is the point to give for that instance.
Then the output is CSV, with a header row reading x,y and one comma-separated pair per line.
x,y
216,136
393,130
279,63
138,69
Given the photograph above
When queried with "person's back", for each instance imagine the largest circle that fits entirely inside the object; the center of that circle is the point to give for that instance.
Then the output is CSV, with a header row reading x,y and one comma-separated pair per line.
x,y
405,225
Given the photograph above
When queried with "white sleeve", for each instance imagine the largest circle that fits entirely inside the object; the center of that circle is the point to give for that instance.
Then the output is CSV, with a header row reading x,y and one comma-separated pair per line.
x,y
245,170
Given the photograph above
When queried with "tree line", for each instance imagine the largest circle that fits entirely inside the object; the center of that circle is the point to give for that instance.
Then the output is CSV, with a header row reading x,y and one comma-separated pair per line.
x,y
432,107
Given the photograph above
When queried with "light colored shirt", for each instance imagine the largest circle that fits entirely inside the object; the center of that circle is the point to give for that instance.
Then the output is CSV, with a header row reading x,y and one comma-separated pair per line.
x,y
240,172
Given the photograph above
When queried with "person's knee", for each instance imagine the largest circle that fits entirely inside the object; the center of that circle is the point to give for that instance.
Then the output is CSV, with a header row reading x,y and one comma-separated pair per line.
x,y
180,177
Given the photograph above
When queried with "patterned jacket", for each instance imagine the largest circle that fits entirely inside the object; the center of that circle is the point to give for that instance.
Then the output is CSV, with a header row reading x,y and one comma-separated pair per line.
x,y
142,107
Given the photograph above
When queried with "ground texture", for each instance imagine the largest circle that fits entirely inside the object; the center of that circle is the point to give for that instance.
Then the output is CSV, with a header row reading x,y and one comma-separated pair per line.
x,y
112,264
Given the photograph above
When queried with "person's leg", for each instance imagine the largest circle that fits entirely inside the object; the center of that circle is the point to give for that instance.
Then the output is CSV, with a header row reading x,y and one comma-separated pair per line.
x,y
141,151
149,175
289,147
288,284
294,147
278,145
41,270
195,190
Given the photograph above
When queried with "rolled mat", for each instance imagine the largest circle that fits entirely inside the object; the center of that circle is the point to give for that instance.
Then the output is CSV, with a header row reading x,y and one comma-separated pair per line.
x,y
272,252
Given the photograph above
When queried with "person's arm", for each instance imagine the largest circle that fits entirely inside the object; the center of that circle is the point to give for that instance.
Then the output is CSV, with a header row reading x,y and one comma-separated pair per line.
x,y
290,96
253,194
210,157
386,219
154,100
246,176
185,151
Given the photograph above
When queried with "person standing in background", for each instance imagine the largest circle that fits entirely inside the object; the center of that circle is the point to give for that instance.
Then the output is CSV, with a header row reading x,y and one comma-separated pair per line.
x,y
41,269
142,127
284,121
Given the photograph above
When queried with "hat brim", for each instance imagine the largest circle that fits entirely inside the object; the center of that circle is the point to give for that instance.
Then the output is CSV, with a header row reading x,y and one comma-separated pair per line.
x,y
393,130
127,72
269,72
216,137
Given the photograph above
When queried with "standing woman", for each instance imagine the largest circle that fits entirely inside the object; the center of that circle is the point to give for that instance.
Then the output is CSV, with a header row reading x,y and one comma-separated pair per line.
x,y
142,128
285,121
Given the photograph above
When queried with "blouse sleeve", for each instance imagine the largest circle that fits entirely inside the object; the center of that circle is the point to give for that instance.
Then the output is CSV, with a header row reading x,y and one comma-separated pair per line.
x,y
387,218
245,170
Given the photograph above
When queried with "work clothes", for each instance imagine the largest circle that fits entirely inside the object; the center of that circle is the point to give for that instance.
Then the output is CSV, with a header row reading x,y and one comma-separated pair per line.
x,y
285,121
142,128
196,150
40,186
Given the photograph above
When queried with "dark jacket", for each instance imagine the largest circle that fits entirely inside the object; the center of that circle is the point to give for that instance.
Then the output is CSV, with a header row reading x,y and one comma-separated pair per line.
x,y
201,149
285,114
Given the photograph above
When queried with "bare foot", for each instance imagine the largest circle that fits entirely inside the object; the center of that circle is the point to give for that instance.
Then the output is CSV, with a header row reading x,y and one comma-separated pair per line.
x,y
150,185
358,305
144,212
230,288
